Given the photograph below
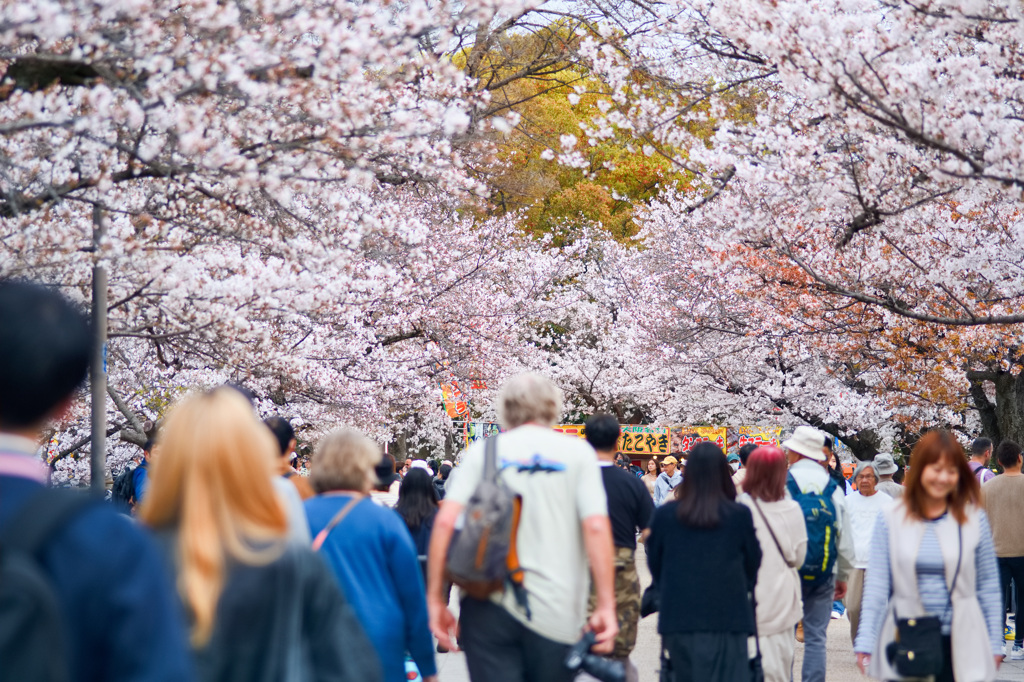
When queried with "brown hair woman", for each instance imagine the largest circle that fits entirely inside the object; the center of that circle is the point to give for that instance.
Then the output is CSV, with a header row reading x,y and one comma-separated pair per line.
x,y
932,552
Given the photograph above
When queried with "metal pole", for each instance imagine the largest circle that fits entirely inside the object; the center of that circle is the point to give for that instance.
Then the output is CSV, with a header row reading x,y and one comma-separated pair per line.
x,y
98,368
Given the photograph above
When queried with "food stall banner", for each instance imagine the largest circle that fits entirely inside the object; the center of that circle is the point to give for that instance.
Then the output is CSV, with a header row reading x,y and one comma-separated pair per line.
x,y
644,440
685,437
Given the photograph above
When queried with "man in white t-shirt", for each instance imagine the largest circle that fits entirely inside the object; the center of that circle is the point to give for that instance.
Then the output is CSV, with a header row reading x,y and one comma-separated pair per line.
x,y
563,523
863,506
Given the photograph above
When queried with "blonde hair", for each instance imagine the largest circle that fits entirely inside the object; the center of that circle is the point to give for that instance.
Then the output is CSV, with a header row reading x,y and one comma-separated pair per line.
x,y
212,480
529,397
344,459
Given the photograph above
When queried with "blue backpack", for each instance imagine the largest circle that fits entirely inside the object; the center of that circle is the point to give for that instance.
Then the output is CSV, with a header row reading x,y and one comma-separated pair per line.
x,y
821,521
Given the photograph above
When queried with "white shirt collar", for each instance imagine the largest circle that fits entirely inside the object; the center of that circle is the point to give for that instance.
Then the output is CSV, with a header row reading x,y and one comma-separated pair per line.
x,y
18,458
18,445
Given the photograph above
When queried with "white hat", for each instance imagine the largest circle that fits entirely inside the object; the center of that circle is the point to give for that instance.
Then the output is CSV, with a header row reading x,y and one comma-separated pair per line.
x,y
420,464
884,464
808,442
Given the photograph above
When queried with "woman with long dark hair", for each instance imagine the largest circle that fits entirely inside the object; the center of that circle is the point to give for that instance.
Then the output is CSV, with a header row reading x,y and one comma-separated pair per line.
x,y
932,554
705,532
651,477
417,505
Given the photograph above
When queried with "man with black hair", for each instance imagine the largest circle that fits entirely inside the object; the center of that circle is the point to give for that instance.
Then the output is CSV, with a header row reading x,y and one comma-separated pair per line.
x,y
630,508
981,454
120,617
444,470
1003,497
741,475
284,435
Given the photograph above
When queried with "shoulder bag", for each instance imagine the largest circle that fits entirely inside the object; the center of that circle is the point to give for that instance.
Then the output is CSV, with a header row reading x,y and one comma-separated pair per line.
x,y
318,541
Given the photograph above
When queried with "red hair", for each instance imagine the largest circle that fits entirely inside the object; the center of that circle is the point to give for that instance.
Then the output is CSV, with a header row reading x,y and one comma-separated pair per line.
x,y
935,446
766,474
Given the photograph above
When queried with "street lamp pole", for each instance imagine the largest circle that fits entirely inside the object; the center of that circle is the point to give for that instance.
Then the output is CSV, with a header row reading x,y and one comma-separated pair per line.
x,y
98,369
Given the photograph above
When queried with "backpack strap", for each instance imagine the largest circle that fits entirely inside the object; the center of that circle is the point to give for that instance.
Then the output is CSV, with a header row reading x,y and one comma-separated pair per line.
x,y
38,519
491,458
792,487
830,488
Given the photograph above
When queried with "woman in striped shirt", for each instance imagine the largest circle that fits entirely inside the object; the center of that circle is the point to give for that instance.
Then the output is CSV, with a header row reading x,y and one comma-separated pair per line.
x,y
932,552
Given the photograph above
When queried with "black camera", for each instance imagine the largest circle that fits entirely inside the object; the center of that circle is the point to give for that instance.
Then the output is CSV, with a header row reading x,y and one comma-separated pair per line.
x,y
580,658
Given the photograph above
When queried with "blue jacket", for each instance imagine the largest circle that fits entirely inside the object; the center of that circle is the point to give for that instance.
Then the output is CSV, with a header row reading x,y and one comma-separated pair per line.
x,y
140,477
122,620
373,556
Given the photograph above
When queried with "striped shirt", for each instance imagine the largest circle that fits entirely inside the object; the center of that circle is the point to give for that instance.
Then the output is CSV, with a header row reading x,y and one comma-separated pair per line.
x,y
931,583
931,577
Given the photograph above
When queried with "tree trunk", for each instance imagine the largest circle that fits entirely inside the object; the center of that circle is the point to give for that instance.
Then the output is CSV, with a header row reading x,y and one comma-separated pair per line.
x,y
1002,419
1009,407
987,412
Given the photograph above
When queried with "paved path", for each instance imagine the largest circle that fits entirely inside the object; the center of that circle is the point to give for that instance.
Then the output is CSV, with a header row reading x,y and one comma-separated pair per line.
x,y
842,666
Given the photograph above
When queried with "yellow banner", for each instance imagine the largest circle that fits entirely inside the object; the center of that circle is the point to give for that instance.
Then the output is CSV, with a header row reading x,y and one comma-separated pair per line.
x,y
758,435
644,440
685,437
577,430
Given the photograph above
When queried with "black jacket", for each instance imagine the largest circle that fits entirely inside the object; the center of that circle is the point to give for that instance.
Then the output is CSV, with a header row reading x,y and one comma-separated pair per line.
x,y
439,484
287,620
704,575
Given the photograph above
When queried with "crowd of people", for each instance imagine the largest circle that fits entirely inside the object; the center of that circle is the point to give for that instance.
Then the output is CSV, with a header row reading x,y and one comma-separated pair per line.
x,y
223,562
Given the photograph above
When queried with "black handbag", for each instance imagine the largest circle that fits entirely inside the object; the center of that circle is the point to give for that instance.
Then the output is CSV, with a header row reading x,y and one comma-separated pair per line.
x,y
650,601
917,650
756,669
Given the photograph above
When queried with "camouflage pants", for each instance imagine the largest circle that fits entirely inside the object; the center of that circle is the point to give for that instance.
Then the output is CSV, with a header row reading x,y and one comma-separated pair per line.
x,y
627,601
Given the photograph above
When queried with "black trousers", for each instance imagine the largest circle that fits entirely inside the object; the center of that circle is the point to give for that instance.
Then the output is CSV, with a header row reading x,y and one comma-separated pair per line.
x,y
501,649
1011,567
708,656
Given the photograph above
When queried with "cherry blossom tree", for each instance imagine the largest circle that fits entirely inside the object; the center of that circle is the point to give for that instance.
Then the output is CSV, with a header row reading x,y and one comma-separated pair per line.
x,y
860,165
280,198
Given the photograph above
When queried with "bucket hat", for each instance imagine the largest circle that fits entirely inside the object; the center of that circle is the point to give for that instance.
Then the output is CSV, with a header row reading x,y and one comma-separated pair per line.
x,y
808,442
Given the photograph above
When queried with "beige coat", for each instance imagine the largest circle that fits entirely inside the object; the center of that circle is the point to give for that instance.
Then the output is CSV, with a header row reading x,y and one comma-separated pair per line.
x,y
779,602
972,656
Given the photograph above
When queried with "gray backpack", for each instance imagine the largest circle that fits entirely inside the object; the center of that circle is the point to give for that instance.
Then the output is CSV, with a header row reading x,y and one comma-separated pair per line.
x,y
482,555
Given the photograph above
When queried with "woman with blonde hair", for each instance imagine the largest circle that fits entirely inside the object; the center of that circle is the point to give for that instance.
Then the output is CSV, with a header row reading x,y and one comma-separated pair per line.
x,y
259,608
371,553
932,561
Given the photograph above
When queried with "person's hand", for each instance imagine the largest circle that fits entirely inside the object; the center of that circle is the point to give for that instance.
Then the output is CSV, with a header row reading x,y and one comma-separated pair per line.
x,y
443,625
863,661
840,590
432,678
999,660
605,627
